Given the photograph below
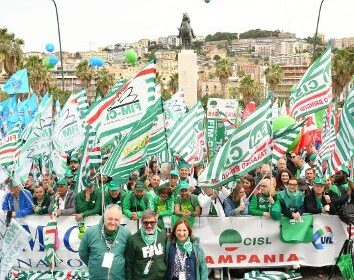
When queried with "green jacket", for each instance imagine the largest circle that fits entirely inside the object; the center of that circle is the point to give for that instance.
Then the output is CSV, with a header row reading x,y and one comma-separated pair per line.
x,y
133,204
92,250
163,208
137,254
259,204
109,200
89,208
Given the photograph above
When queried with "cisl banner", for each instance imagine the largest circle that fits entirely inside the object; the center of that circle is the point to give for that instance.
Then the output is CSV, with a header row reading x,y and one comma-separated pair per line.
x,y
227,242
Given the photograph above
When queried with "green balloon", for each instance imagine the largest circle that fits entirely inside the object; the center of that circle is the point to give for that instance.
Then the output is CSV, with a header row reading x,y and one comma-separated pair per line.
x,y
285,121
131,56
47,64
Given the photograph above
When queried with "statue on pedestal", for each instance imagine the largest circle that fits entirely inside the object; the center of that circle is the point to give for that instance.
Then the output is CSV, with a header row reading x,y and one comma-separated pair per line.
x,y
186,32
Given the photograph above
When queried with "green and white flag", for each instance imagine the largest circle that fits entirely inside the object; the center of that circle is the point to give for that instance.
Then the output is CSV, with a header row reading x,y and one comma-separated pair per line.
x,y
120,111
344,145
248,147
158,140
69,132
82,102
41,128
314,91
174,109
59,163
283,138
10,145
131,151
186,138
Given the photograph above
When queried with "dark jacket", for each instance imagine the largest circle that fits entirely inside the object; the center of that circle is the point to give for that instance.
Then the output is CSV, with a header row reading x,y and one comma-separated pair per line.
x,y
44,206
311,204
196,265
69,204
138,254
338,200
24,200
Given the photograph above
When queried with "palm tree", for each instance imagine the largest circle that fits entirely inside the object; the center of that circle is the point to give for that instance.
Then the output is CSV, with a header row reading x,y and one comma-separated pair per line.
x,y
274,74
85,73
223,71
38,75
250,90
10,51
104,81
342,69
173,83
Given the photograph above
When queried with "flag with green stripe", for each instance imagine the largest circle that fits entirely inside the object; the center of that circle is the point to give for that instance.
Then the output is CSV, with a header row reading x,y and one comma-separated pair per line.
x,y
283,138
131,152
122,110
84,171
158,140
314,91
344,144
10,145
247,148
187,138
50,237
82,103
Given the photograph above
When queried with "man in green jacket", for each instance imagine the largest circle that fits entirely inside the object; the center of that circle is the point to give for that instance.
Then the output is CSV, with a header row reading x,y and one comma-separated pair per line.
x,y
115,194
102,246
88,202
145,252
136,202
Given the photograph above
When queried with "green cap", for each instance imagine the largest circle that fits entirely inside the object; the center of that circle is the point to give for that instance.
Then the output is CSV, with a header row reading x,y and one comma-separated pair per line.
x,y
62,182
183,164
312,157
183,185
345,170
174,172
140,186
68,173
74,159
319,181
113,186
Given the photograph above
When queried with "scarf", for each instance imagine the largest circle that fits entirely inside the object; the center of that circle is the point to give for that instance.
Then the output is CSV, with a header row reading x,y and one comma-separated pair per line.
x,y
186,246
337,191
319,202
109,237
292,199
149,239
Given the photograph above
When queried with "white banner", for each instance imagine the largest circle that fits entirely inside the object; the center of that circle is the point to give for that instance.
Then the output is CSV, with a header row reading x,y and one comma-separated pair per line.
x,y
227,242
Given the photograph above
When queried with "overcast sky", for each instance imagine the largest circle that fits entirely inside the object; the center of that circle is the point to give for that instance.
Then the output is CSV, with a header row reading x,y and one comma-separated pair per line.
x,y
89,24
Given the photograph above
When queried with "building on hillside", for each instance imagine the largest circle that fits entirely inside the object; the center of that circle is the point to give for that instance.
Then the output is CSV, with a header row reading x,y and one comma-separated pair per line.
x,y
255,71
292,75
209,87
293,59
286,35
167,64
242,46
348,42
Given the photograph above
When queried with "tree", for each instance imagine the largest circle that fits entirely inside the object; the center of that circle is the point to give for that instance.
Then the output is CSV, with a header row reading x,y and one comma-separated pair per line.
x,y
58,94
38,75
104,81
274,74
10,51
342,69
85,73
250,90
173,83
223,71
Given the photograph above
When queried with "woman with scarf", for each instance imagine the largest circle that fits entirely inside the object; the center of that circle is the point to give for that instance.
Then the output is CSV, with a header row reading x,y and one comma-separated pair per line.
x,y
236,204
185,257
265,203
292,200
163,204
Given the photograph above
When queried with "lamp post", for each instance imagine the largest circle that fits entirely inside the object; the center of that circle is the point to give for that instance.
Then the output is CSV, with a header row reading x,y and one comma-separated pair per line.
x,y
61,52
318,21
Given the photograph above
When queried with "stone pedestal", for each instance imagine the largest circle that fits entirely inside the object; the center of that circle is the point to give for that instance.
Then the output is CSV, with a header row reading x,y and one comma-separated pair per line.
x,y
188,76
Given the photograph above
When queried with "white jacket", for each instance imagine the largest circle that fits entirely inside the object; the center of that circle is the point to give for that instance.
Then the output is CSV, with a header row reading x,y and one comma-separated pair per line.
x,y
205,202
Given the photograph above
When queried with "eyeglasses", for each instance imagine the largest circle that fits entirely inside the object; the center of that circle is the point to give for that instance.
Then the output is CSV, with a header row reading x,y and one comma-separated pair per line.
x,y
292,184
146,223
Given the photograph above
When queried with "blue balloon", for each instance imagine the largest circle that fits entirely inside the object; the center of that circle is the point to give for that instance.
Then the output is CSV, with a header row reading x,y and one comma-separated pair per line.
x,y
53,60
49,47
96,61
99,62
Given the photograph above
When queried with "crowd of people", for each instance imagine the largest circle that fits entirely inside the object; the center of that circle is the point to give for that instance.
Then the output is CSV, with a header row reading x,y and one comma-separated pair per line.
x,y
157,191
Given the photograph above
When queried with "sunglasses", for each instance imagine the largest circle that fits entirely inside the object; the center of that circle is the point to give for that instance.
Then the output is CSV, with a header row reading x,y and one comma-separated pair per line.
x,y
146,223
